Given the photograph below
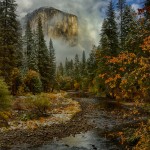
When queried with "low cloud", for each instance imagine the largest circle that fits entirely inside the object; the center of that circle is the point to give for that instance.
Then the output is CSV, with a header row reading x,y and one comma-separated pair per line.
x,y
90,14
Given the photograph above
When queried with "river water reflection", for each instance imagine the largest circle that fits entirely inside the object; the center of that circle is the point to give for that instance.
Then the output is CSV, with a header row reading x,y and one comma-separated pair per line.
x,y
91,140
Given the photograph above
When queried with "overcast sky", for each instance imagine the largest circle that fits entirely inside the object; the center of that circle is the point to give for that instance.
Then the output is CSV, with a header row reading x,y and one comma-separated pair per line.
x,y
91,12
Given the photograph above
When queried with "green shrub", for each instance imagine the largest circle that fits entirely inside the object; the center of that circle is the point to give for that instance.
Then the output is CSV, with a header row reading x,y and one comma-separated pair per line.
x,y
5,98
5,102
33,82
16,81
38,104
84,84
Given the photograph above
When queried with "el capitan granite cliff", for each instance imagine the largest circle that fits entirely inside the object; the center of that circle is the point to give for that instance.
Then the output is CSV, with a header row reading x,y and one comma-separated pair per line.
x,y
56,24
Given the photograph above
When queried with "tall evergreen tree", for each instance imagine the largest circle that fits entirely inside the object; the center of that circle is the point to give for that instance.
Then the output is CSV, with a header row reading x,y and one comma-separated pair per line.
x,y
30,48
66,67
127,24
52,61
83,59
76,67
9,38
147,15
147,4
43,57
110,31
91,64
121,5
70,68
83,64
71,65
60,69
104,41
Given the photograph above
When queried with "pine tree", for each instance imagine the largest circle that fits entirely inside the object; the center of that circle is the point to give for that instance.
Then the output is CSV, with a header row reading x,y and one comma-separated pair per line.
x,y
110,31
83,60
10,48
147,15
60,69
104,41
66,67
83,64
147,4
30,48
76,67
43,57
127,22
121,5
52,61
71,65
91,64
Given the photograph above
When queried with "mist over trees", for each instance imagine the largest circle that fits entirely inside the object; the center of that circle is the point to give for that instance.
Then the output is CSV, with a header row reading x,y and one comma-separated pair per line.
x,y
29,65
26,62
116,70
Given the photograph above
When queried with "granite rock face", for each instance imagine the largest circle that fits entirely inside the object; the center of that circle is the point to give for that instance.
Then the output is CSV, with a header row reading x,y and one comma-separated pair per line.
x,y
56,24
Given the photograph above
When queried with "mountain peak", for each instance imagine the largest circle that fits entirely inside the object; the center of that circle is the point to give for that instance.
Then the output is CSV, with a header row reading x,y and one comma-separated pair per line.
x,y
56,23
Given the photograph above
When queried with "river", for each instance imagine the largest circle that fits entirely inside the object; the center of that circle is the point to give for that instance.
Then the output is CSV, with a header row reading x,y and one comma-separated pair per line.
x,y
90,140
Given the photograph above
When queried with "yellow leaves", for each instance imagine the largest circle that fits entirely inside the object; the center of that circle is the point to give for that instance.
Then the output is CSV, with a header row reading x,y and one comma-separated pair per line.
x,y
140,82
132,55
146,44
113,86
5,115
32,73
109,80
120,133
121,69
114,60
52,96
102,75
42,120
117,97
123,81
117,77
122,58
76,85
129,72
15,72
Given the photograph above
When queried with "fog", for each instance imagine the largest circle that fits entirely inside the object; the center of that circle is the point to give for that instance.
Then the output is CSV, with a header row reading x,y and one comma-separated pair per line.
x,y
90,15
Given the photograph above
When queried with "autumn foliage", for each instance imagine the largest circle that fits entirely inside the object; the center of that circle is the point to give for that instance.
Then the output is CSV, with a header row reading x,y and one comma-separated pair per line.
x,y
129,75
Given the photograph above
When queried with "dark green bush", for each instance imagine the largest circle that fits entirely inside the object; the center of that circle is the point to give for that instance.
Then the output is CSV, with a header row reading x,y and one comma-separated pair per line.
x,y
38,104
5,102
33,82
5,97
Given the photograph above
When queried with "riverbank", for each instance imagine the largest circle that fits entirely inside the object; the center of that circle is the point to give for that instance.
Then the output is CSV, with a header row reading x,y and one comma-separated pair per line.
x,y
43,134
105,118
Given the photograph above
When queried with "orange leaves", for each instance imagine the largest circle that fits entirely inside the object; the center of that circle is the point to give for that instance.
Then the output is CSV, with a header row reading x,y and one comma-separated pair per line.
x,y
132,55
124,81
32,73
117,77
127,74
102,75
109,80
114,60
124,57
146,44
42,120
76,86
122,69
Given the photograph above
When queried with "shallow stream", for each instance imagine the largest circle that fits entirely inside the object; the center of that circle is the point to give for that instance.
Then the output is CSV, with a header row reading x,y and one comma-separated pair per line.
x,y
91,140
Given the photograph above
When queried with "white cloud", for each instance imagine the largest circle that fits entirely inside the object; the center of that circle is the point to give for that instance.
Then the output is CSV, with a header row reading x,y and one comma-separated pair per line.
x,y
89,12
136,7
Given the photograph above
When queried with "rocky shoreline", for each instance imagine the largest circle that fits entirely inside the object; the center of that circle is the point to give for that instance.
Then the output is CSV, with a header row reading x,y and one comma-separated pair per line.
x,y
110,122
43,135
